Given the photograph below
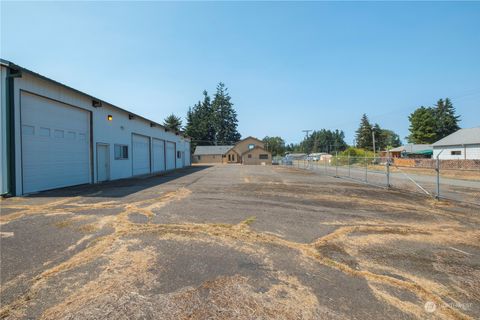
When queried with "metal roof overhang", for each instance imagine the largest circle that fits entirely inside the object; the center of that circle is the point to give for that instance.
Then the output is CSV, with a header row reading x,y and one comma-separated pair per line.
x,y
12,65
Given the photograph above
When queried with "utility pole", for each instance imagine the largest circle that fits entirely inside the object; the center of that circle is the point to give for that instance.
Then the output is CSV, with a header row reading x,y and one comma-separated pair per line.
x,y
306,132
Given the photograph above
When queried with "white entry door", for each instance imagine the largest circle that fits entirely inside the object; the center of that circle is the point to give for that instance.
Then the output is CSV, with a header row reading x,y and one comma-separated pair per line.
x,y
170,155
103,162
158,152
55,142
140,154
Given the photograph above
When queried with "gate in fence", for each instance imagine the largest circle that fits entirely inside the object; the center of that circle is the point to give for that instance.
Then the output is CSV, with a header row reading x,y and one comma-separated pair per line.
x,y
448,179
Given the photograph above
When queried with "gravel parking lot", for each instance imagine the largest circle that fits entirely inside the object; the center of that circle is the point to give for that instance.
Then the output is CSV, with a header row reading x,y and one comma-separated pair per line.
x,y
238,242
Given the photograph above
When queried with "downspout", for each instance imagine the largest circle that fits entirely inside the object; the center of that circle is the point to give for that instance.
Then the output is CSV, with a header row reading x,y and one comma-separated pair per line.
x,y
10,129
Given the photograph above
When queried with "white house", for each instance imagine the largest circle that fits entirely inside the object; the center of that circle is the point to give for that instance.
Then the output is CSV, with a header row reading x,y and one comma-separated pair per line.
x,y
462,144
54,136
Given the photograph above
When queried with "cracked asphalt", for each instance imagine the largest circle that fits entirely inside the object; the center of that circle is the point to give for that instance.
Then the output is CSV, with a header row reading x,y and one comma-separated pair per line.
x,y
238,242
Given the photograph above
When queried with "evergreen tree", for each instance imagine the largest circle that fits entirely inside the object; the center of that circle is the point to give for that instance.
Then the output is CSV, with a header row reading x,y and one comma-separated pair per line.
x,y
364,134
423,126
206,121
172,122
213,122
201,122
324,141
430,124
447,121
225,117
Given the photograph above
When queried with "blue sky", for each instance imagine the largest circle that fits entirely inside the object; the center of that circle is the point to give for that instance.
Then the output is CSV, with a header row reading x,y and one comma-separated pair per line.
x,y
289,66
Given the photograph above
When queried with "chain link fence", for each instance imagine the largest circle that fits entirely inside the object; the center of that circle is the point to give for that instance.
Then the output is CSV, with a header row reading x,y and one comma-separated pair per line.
x,y
448,179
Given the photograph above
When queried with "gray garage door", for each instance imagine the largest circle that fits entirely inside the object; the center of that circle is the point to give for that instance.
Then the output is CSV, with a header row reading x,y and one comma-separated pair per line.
x,y
158,152
140,154
55,144
170,155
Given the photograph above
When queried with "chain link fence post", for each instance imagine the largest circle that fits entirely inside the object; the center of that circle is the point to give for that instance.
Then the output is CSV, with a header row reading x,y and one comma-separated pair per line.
x,y
366,168
348,159
336,164
388,173
437,169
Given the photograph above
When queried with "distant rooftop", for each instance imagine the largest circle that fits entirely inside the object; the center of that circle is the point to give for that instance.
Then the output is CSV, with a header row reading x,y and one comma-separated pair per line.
x,y
412,148
211,150
460,137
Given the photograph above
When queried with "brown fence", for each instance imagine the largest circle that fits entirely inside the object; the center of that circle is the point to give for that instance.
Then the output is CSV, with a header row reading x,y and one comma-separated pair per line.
x,y
444,164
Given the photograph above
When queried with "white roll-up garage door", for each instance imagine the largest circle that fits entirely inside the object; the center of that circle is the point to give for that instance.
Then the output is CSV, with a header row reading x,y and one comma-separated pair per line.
x,y
140,154
170,155
55,144
158,153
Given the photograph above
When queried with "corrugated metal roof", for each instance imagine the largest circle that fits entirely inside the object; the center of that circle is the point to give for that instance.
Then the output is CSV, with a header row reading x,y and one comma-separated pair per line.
x,y
412,148
211,150
462,136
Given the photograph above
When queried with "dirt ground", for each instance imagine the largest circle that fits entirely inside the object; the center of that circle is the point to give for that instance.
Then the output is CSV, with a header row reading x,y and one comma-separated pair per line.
x,y
238,242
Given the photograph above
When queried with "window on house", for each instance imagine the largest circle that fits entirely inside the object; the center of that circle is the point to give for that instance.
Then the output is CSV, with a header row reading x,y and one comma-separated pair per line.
x,y
199,157
263,156
179,155
233,157
121,152
229,158
249,156
456,153
251,146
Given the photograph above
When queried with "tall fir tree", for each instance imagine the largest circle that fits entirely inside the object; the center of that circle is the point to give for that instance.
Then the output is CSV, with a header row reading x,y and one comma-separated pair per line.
x,y
423,126
430,124
324,141
447,121
364,134
225,117
201,122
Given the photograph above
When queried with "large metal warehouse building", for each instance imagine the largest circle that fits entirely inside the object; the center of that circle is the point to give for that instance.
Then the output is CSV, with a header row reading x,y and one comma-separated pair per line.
x,y
54,136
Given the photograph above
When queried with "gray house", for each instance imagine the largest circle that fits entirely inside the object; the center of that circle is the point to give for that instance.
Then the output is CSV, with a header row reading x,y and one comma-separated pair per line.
x,y
462,144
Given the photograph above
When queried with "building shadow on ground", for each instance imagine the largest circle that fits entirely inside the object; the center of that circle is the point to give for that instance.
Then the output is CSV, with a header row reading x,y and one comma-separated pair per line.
x,y
120,188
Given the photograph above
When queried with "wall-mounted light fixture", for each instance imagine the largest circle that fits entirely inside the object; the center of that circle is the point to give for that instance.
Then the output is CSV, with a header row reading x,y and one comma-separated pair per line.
x,y
109,117
152,124
96,104
131,116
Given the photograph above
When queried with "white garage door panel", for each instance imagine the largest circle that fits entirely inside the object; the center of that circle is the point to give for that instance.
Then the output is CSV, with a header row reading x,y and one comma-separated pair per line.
x,y
55,144
170,155
158,155
140,154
